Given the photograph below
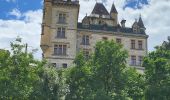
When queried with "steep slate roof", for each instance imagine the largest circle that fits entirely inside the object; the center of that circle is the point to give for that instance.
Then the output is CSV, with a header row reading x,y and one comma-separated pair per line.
x,y
140,23
108,28
113,9
100,9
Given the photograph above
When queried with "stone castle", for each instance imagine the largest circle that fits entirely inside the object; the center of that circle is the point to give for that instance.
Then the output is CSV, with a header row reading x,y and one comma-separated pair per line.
x,y
63,36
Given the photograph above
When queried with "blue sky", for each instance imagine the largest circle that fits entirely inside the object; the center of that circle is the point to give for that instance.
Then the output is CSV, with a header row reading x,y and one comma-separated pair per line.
x,y
24,17
26,5
22,5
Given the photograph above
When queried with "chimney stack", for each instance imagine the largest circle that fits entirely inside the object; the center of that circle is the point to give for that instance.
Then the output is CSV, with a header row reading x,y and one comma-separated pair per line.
x,y
123,23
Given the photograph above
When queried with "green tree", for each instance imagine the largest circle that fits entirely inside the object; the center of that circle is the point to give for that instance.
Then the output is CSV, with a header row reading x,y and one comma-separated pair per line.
x,y
109,62
51,85
78,80
157,71
23,77
18,72
135,84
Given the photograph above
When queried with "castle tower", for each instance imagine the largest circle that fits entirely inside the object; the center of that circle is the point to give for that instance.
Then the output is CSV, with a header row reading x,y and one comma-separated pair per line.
x,y
59,31
114,15
141,25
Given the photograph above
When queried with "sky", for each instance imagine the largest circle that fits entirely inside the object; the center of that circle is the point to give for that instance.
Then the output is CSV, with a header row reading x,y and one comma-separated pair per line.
x,y
24,17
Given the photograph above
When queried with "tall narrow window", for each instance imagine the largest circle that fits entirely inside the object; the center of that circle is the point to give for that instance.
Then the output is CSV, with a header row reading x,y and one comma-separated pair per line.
x,y
85,40
133,60
132,44
118,40
61,32
62,18
140,60
140,45
60,50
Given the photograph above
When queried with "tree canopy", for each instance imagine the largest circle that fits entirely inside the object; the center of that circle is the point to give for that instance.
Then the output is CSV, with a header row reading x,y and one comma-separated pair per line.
x,y
103,76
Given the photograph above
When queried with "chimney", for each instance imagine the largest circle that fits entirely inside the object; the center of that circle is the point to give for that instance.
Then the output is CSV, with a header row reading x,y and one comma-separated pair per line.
x,y
123,23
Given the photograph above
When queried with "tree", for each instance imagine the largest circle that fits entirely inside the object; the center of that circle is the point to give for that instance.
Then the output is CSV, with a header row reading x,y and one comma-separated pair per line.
x,y
157,71
23,77
50,86
18,72
104,76
78,80
135,85
109,62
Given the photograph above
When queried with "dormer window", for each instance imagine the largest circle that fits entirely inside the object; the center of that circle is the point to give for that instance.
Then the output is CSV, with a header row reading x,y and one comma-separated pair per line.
x,y
62,18
135,29
100,22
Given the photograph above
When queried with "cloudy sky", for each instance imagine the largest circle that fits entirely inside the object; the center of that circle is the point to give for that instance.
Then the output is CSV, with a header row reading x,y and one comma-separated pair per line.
x,y
23,18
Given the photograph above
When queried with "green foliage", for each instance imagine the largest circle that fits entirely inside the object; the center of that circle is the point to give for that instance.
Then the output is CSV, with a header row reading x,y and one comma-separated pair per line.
x,y
78,80
135,84
109,61
157,71
23,77
18,72
104,76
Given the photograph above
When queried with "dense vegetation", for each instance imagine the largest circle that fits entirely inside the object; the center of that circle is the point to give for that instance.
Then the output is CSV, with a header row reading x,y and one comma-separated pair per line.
x,y
103,76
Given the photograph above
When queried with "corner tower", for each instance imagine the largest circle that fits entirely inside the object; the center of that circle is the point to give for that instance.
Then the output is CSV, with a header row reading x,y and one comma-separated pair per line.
x,y
59,31
114,15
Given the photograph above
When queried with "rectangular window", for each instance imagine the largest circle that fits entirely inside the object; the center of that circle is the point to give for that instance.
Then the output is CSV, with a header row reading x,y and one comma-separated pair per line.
x,y
132,44
53,64
140,60
105,38
118,40
133,60
85,40
61,32
64,65
140,45
62,18
60,50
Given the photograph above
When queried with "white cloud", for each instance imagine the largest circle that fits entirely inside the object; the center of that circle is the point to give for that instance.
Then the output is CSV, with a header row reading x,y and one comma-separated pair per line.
x,y
15,12
28,29
155,16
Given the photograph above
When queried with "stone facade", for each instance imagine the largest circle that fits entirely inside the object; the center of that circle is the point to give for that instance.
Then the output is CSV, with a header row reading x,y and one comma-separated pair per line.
x,y
63,36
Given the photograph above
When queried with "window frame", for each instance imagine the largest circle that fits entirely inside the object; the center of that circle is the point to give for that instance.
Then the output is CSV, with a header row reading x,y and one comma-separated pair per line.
x,y
105,38
65,65
133,44
60,50
140,60
85,40
118,40
62,18
61,32
140,44
133,60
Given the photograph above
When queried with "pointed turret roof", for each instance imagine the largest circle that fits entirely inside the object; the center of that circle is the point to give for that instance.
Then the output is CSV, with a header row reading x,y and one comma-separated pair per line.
x,y
100,9
113,9
140,22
